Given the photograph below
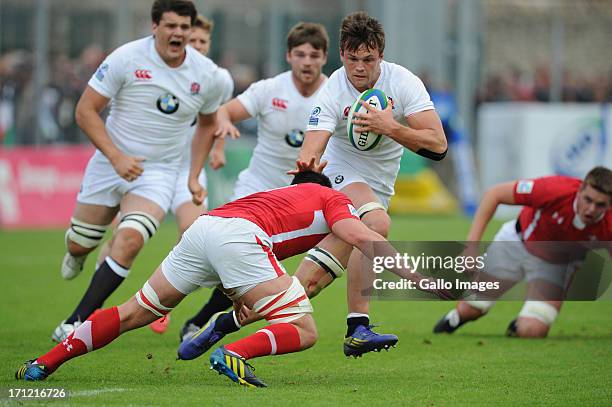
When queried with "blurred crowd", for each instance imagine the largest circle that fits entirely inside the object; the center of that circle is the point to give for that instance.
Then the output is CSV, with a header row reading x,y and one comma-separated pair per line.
x,y
68,77
515,85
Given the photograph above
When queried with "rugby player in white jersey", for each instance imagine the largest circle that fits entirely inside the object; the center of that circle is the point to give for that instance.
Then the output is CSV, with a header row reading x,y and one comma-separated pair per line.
x,y
155,86
368,177
281,105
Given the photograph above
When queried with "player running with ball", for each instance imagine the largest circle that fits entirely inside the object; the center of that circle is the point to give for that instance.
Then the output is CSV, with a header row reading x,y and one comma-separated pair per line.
x,y
368,177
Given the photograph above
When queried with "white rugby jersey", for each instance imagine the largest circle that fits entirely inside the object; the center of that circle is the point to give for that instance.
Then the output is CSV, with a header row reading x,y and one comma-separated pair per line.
x,y
153,105
227,84
408,96
282,114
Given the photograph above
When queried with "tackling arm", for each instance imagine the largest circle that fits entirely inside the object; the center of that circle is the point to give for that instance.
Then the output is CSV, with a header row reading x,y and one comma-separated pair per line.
x,y
357,234
499,194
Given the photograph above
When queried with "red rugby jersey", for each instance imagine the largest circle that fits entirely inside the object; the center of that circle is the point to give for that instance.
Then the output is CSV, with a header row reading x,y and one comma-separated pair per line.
x,y
549,214
296,217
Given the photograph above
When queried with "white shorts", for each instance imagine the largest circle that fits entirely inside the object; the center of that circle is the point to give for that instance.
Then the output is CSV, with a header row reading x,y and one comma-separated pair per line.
x,y
182,193
103,186
508,259
342,174
230,251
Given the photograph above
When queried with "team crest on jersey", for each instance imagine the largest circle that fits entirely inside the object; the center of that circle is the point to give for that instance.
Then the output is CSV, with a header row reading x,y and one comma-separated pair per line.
x,y
314,116
339,179
524,187
101,72
195,88
279,104
345,112
167,103
143,75
295,138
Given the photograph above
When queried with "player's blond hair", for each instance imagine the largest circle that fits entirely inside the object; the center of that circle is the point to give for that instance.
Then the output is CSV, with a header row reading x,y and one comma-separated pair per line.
x,y
204,23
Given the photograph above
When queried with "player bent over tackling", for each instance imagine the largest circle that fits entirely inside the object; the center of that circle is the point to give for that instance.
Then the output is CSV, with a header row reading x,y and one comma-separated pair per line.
x,y
236,246
555,209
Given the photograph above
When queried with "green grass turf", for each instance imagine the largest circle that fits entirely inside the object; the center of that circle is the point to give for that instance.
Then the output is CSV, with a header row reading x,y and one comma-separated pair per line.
x,y
475,366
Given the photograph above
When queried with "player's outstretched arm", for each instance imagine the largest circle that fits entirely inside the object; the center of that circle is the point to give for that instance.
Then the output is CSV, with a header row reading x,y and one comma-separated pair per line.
x,y
228,114
315,142
357,234
492,198
200,148
88,118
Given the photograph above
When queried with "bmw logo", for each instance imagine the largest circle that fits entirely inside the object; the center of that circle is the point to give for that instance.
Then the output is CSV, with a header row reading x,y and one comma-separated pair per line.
x,y
168,103
339,179
295,138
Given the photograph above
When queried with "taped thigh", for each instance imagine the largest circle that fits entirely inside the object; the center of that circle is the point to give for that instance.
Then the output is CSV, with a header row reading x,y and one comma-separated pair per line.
x,y
369,207
148,299
142,222
287,306
326,260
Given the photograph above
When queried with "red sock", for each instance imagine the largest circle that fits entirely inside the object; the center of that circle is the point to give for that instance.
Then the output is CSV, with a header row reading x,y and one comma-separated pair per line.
x,y
97,331
272,340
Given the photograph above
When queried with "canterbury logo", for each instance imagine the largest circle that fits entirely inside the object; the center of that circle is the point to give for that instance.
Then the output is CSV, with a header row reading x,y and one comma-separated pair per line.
x,y
280,104
143,74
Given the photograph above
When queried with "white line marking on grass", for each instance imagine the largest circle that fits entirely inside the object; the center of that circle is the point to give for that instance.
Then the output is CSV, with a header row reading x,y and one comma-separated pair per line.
x,y
82,393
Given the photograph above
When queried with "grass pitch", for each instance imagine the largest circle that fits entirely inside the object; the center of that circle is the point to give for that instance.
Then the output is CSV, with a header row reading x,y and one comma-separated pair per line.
x,y
477,365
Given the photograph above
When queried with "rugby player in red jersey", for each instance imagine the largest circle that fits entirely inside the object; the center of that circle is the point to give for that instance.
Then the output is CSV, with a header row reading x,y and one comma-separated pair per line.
x,y
237,246
555,209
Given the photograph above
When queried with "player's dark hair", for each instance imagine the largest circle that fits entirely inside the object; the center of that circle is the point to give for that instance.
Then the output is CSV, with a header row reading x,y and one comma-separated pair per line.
x,y
204,23
312,177
600,178
359,29
308,33
181,7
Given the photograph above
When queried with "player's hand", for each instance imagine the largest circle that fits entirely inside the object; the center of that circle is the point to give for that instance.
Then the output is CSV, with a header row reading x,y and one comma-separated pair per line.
x,y
217,159
128,167
311,165
227,128
198,194
373,119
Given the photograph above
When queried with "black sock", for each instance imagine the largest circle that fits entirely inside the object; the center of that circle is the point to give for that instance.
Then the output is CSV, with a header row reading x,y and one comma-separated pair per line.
x,y
104,282
218,302
353,322
226,324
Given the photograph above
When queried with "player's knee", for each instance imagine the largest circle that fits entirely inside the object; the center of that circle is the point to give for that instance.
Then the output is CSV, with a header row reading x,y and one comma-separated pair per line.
x,y
308,337
141,222
535,319
471,310
379,222
82,237
531,328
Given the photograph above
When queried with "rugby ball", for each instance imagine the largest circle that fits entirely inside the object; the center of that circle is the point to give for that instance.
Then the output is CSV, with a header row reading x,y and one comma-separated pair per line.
x,y
367,140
